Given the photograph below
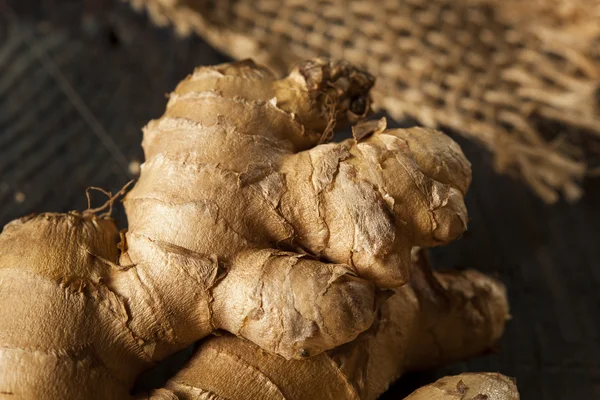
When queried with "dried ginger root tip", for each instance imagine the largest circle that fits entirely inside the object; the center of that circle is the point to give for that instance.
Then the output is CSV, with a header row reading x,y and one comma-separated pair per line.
x,y
476,386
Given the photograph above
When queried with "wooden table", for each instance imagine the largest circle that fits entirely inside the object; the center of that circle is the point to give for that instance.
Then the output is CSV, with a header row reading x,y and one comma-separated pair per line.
x,y
79,79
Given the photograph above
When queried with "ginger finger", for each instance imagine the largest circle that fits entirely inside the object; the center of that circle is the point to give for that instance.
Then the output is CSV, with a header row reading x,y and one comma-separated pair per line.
x,y
483,385
425,323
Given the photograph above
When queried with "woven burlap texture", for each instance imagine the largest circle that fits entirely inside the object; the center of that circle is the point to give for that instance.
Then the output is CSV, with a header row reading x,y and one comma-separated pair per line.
x,y
522,78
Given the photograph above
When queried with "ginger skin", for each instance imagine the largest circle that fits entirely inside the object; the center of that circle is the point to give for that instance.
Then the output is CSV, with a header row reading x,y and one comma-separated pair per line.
x,y
468,386
241,221
433,320
231,174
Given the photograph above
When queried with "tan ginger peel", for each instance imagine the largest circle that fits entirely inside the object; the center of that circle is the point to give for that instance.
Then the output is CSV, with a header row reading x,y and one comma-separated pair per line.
x,y
243,221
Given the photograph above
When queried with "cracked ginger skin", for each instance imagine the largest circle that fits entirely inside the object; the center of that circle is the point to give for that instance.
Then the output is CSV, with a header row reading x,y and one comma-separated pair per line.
x,y
240,221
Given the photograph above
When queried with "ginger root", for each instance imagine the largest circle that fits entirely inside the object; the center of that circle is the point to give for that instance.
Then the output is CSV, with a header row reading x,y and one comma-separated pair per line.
x,y
471,386
243,221
433,320
234,173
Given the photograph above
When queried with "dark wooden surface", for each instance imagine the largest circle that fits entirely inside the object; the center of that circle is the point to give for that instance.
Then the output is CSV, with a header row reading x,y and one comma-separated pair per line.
x,y
79,79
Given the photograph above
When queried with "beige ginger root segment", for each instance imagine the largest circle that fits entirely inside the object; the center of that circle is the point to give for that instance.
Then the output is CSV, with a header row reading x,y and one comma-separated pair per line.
x,y
61,323
469,386
435,319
